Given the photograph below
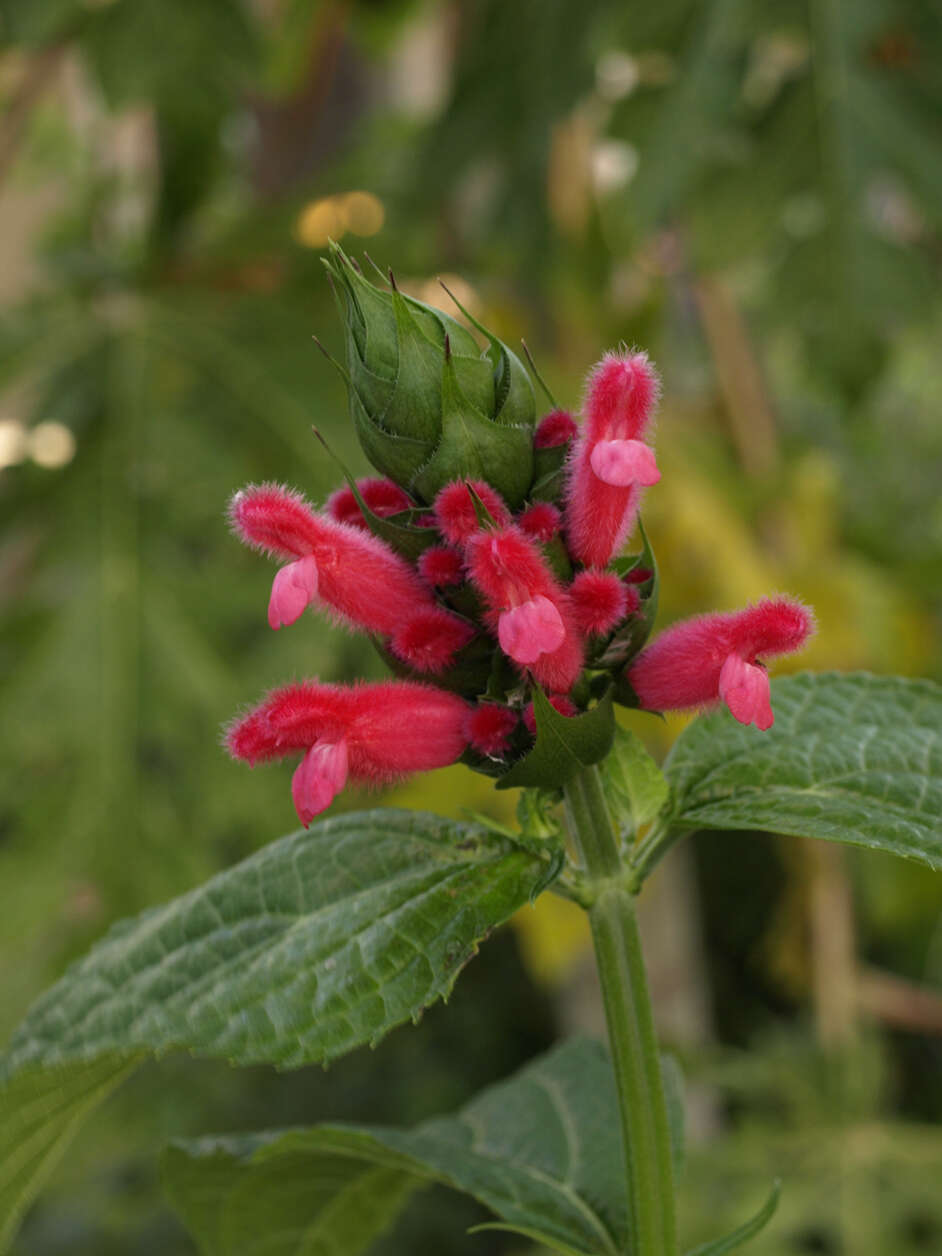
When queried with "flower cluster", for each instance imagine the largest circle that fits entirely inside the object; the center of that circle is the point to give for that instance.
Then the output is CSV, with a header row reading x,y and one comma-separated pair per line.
x,y
474,597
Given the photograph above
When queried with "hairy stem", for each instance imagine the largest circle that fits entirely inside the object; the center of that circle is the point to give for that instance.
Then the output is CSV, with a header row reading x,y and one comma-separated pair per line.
x,y
642,1110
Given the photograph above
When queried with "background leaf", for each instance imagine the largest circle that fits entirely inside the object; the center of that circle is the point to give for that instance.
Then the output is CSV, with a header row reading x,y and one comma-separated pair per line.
x,y
540,1150
321,942
851,758
634,785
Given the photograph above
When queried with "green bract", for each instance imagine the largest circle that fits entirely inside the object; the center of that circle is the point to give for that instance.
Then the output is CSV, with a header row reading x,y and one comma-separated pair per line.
x,y
428,405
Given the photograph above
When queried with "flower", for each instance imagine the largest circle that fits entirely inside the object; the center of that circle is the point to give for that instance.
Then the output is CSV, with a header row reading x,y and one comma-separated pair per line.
x,y
600,600
717,657
610,463
381,496
528,609
371,732
455,512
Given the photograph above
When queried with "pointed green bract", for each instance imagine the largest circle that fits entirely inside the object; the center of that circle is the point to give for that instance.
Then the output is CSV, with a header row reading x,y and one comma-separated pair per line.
x,y
416,375
319,943
850,758
564,744
540,1150
479,447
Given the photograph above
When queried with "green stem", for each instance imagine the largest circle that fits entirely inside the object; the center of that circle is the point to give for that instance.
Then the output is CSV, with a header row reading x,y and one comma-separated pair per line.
x,y
642,1110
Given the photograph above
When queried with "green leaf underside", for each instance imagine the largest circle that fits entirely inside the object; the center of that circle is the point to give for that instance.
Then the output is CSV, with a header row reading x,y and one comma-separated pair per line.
x,y
319,943
851,758
540,1150
744,1232
564,744
307,1202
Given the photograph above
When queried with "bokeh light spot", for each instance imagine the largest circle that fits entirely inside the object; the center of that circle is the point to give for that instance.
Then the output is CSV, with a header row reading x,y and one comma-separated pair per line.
x,y
51,445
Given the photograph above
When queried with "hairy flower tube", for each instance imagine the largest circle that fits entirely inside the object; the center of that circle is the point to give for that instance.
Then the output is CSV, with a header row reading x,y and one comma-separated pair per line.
x,y
527,607
374,733
610,464
478,578
718,658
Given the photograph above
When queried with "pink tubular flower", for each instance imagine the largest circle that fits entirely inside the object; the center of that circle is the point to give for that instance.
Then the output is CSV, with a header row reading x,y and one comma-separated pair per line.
x,y
528,610
599,601
489,727
441,566
610,464
717,658
455,513
352,572
541,521
555,429
382,496
370,732
430,639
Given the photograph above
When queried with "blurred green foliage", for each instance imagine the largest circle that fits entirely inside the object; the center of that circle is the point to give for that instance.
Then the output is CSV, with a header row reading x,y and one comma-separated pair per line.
x,y
752,192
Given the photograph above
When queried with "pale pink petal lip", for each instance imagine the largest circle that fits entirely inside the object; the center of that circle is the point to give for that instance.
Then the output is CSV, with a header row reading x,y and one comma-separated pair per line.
x,y
624,462
318,779
744,688
531,629
292,591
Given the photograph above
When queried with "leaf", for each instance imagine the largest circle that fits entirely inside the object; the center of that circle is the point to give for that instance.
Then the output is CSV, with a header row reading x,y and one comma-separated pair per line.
x,y
540,1150
851,758
40,1110
744,1232
294,1203
319,943
634,785
564,744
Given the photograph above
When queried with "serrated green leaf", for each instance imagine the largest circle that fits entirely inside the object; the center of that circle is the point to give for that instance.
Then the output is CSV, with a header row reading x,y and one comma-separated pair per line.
x,y
634,785
319,943
540,1150
851,758
564,744
745,1232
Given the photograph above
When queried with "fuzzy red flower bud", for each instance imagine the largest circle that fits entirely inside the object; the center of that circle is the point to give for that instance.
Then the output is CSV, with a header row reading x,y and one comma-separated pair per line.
x,y
382,496
610,464
528,610
717,658
561,703
555,429
489,727
599,601
455,513
430,639
371,732
541,521
441,566
353,573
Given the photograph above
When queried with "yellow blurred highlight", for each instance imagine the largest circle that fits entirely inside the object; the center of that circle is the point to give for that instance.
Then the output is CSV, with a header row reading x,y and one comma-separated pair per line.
x,y
51,445
14,442
553,936
363,213
433,293
331,217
